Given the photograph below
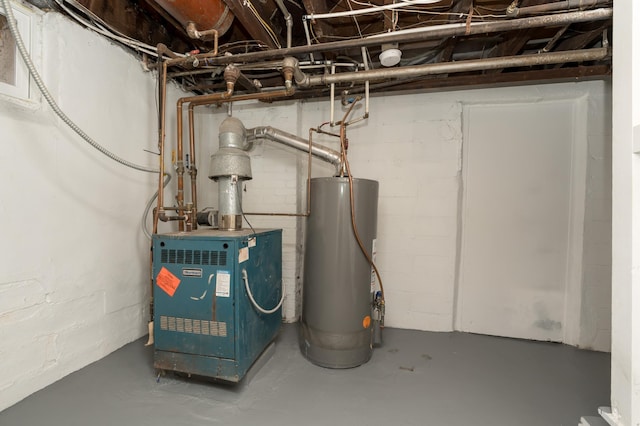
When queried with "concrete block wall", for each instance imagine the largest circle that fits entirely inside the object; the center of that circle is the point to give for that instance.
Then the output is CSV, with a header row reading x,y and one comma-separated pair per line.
x,y
414,153
412,144
74,283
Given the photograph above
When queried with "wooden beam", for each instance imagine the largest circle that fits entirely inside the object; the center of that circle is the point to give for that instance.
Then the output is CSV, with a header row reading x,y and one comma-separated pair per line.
x,y
512,44
581,40
134,21
321,28
458,7
251,23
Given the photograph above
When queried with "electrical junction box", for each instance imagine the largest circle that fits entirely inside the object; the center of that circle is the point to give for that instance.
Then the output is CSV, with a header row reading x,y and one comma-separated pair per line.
x,y
204,322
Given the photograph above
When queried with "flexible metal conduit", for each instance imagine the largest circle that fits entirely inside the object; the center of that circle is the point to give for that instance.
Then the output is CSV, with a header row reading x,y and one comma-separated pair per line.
x,y
47,95
56,109
411,35
461,66
295,142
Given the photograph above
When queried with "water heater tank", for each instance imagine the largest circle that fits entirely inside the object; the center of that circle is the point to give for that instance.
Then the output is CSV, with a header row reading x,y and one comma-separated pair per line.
x,y
335,328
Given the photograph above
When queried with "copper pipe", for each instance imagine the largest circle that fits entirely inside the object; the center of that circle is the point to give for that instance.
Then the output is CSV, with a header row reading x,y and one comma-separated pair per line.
x,y
193,102
193,32
180,164
194,60
161,138
164,50
230,75
343,127
216,98
193,171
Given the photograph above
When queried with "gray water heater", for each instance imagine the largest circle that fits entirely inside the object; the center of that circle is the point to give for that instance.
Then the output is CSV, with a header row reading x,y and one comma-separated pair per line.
x,y
336,325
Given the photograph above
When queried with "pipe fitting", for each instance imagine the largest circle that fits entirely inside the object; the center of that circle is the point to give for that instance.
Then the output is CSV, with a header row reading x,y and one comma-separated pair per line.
x,y
291,70
193,32
513,11
231,75
288,65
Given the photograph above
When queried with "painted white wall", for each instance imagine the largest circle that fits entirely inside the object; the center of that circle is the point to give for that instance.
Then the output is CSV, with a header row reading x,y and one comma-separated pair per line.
x,y
518,193
412,145
74,279
625,347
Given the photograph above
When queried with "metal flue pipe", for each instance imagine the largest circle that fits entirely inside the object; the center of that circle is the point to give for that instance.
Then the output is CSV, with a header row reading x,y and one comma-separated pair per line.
x,y
295,142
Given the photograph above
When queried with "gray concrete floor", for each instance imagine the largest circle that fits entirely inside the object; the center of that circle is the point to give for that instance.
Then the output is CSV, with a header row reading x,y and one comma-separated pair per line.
x,y
416,378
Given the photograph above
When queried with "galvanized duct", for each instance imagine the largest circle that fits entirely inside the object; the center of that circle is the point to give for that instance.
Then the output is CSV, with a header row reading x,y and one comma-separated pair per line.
x,y
295,142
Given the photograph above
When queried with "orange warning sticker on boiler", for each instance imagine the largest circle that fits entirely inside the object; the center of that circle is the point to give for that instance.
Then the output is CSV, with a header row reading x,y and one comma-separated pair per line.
x,y
167,281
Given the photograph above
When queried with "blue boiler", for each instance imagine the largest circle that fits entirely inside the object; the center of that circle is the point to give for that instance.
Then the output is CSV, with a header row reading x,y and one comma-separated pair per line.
x,y
205,323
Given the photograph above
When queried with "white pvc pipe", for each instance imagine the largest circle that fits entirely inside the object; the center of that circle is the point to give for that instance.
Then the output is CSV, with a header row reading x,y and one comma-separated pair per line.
x,y
369,9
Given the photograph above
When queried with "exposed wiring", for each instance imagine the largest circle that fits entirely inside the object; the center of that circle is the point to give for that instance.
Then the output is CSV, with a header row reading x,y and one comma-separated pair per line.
x,y
134,44
245,278
11,20
355,20
475,18
409,9
54,105
368,10
243,45
266,26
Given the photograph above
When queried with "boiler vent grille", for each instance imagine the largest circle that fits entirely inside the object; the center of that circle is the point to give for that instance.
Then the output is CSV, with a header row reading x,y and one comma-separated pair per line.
x,y
193,326
193,257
